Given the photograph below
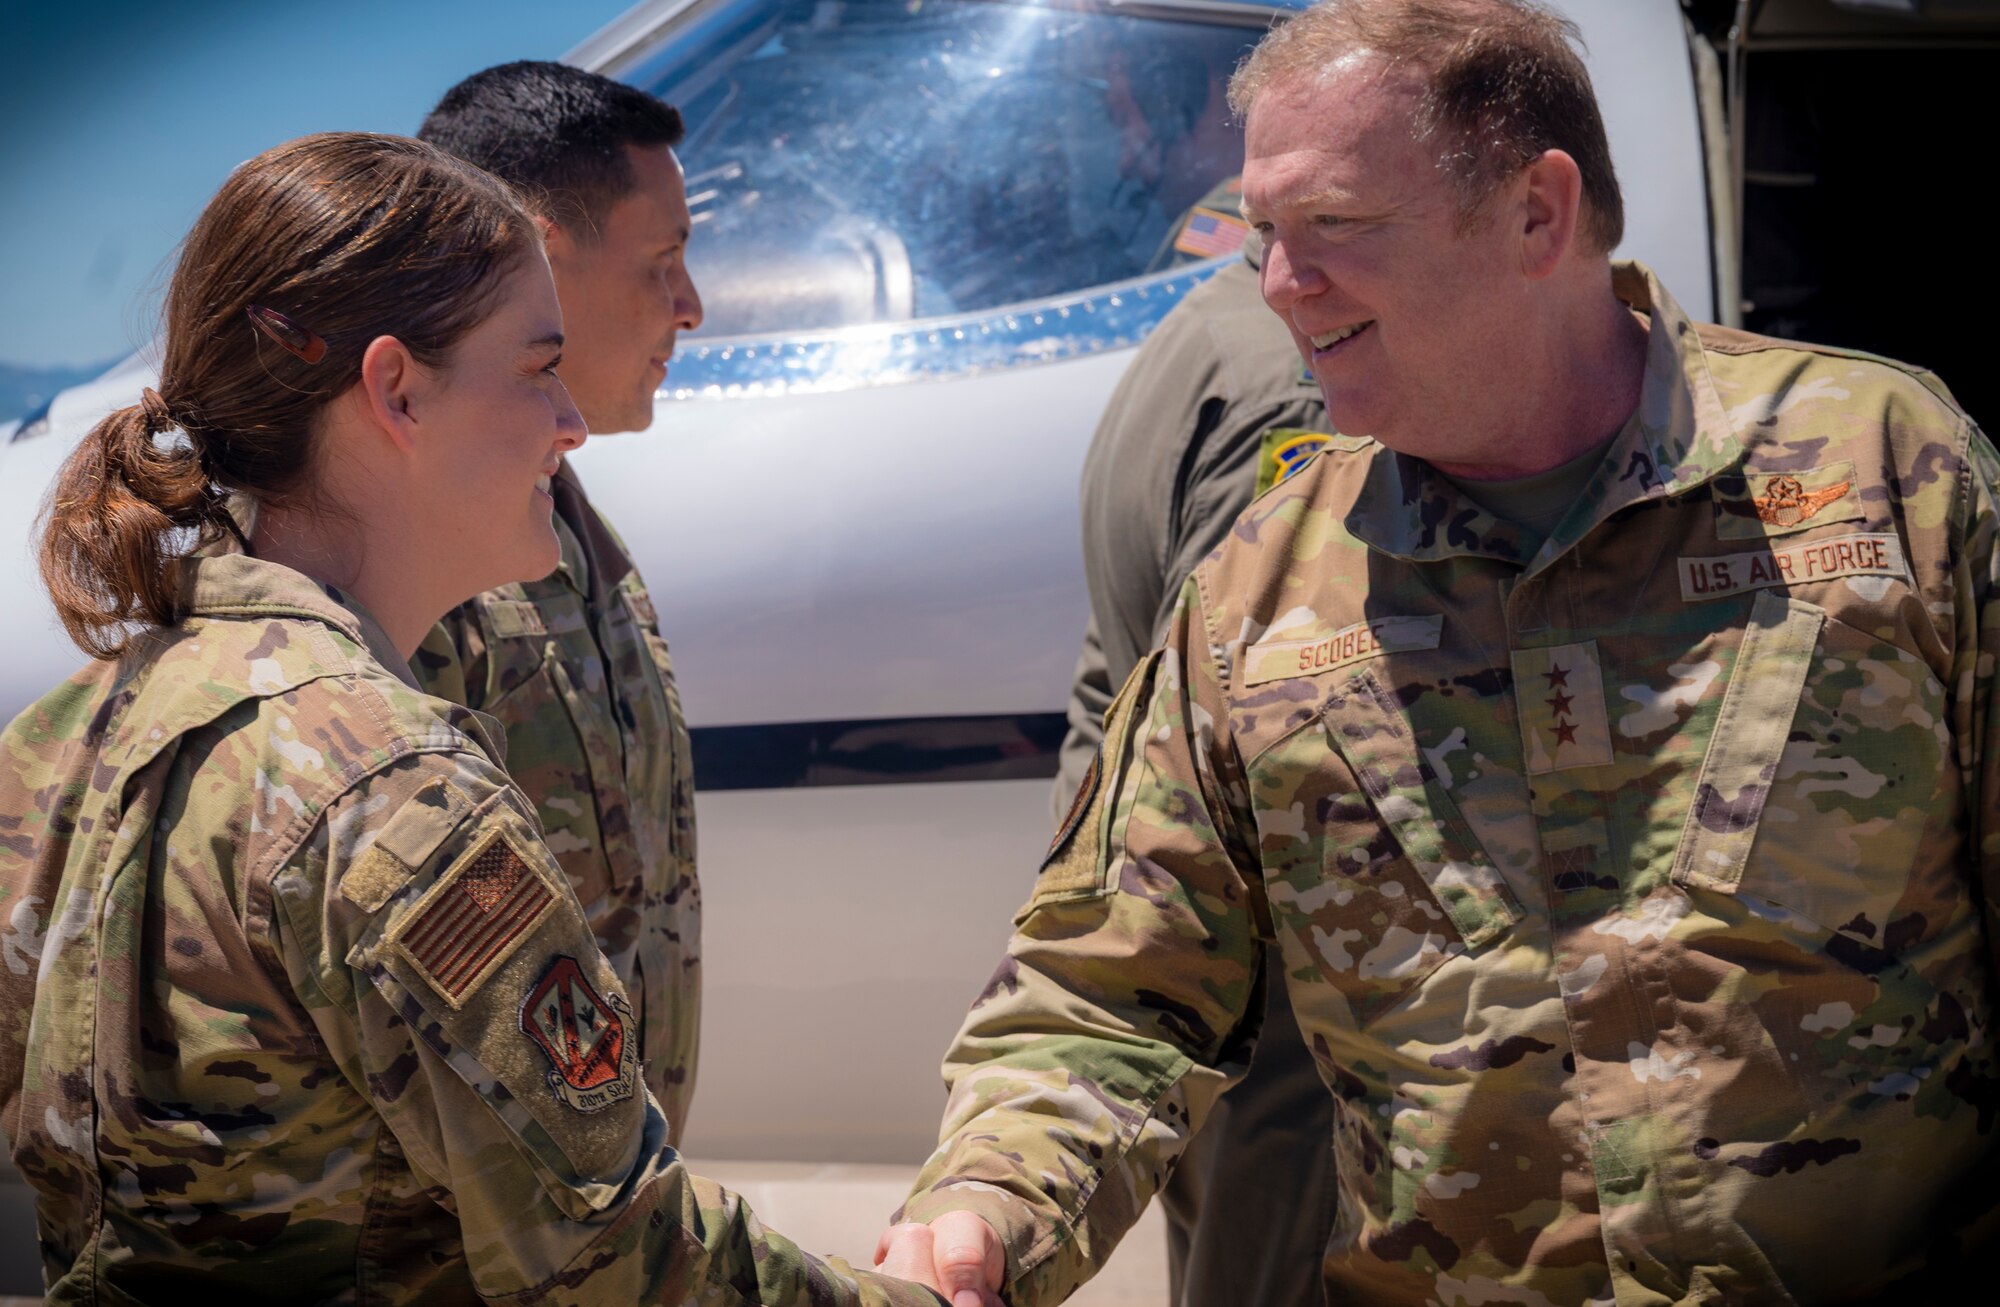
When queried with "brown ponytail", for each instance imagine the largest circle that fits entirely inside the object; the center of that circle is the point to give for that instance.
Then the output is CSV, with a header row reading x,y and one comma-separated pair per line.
x,y
340,238
125,500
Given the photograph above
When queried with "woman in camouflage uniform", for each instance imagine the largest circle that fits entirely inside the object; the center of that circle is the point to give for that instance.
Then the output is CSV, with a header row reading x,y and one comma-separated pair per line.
x,y
297,1004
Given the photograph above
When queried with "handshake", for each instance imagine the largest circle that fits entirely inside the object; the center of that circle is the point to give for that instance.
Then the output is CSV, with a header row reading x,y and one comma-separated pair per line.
x,y
958,1255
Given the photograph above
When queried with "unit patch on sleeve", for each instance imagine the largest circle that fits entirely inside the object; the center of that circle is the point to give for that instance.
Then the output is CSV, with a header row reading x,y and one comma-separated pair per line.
x,y
593,1061
1855,556
1283,451
1779,503
473,919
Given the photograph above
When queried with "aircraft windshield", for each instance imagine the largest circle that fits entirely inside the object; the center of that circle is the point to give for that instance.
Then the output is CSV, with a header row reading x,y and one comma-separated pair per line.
x,y
854,161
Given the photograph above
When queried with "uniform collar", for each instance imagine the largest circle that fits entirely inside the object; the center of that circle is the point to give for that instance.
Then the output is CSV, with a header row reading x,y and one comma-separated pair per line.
x,y
1677,438
593,558
237,585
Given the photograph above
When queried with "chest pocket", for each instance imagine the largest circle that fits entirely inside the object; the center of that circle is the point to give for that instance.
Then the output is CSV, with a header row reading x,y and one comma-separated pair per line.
x,y
657,752
1829,788
545,682
1416,891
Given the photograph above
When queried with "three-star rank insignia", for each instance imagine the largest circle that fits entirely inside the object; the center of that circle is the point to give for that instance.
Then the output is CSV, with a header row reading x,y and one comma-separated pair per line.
x,y
1560,691
593,1059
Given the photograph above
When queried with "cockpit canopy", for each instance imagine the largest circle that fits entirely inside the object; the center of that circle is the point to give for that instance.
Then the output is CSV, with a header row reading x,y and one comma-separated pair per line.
x,y
875,161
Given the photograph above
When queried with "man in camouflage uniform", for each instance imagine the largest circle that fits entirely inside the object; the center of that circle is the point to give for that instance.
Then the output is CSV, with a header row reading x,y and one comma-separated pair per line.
x,y
573,665
1214,409
1632,862
312,1011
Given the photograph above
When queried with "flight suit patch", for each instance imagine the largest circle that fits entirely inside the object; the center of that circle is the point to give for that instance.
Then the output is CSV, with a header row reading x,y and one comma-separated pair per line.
x,y
482,908
593,1060
1560,691
1284,451
1779,503
1210,234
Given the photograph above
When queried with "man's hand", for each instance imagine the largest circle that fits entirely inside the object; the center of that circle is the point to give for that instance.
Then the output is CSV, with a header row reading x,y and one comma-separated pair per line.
x,y
958,1254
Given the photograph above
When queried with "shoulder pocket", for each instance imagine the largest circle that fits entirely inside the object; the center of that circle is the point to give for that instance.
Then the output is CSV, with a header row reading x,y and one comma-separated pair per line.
x,y
484,956
405,844
1075,866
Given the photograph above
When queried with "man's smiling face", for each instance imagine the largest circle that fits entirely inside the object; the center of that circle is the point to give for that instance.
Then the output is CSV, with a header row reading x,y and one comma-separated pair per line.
x,y
1401,315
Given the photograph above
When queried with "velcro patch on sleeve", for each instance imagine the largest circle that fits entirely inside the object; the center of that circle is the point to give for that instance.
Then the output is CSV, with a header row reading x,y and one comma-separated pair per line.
x,y
593,1056
1074,867
1805,563
470,922
1077,806
1283,659
404,844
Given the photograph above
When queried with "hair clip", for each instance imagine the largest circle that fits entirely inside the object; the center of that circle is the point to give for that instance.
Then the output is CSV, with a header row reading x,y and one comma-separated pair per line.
x,y
288,334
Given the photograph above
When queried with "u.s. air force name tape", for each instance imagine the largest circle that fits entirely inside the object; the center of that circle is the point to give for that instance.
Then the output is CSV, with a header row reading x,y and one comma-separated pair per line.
x,y
1800,564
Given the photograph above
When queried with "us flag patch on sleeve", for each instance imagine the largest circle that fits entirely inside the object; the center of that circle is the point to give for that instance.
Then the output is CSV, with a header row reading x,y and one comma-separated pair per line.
x,y
483,907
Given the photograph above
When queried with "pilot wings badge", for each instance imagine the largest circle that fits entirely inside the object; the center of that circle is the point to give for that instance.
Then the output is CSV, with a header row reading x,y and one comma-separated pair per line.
x,y
594,1062
1759,505
1786,502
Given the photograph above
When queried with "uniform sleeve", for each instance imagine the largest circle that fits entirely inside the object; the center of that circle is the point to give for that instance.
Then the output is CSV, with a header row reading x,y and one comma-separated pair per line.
x,y
1089,697
451,975
1975,662
1223,480
1128,996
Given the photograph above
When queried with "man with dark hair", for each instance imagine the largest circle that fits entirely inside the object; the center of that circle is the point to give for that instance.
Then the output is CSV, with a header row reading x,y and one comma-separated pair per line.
x,y
1602,727
573,665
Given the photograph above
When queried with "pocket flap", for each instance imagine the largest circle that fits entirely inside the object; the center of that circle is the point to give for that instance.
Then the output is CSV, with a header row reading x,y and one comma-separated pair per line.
x,y
1368,729
1748,743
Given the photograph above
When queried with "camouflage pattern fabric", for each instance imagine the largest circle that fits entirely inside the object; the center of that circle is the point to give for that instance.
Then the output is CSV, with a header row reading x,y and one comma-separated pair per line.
x,y
1187,440
574,668
1634,895
297,1003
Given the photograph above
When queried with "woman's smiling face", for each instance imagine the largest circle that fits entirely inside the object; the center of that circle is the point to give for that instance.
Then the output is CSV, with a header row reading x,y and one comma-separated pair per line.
x,y
498,425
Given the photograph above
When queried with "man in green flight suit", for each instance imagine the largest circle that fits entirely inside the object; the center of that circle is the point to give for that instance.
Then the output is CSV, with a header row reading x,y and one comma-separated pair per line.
x,y
573,665
1215,409
1602,728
